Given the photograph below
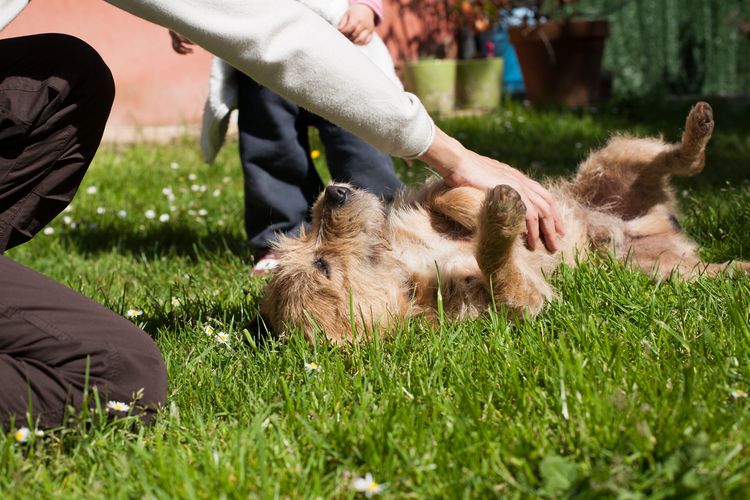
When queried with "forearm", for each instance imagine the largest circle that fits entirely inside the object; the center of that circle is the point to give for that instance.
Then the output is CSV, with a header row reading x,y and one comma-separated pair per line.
x,y
287,48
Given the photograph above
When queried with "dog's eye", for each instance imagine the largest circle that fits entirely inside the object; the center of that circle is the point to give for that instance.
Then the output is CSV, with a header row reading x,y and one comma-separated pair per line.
x,y
322,266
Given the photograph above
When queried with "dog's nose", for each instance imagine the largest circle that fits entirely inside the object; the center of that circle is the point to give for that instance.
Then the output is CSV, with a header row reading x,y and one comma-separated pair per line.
x,y
338,194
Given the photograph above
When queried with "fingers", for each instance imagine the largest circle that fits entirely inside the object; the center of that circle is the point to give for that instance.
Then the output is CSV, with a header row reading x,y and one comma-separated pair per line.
x,y
343,23
363,37
180,43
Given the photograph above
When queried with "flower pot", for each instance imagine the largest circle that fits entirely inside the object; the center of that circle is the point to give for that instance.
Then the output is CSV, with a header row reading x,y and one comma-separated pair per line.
x,y
434,82
478,83
561,61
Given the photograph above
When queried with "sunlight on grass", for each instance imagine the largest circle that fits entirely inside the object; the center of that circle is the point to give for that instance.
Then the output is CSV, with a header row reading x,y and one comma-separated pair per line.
x,y
621,387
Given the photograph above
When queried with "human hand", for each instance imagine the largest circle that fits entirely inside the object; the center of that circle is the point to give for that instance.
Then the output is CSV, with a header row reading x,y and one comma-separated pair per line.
x,y
461,166
358,24
180,43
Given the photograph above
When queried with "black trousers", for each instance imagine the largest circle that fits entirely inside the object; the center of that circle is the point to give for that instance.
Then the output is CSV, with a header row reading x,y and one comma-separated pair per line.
x,y
281,182
55,97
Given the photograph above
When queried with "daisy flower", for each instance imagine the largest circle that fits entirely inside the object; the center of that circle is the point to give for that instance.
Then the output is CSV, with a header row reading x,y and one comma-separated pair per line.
x,y
192,177
133,313
208,330
312,367
174,165
150,214
118,406
222,338
49,231
738,393
164,218
122,214
67,219
202,212
101,210
367,486
176,302
91,190
22,435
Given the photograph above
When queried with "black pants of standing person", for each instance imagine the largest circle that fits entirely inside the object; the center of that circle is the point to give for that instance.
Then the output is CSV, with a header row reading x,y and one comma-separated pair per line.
x,y
55,97
281,182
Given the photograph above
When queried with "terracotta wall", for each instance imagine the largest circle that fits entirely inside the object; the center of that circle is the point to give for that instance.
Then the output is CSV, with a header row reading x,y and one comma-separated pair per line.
x,y
157,87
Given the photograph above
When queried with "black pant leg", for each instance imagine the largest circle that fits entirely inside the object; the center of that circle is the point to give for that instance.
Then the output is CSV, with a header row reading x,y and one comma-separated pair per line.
x,y
50,336
55,97
350,159
280,178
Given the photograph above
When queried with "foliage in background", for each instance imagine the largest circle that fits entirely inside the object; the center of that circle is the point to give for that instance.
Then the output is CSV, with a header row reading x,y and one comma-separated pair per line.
x,y
676,46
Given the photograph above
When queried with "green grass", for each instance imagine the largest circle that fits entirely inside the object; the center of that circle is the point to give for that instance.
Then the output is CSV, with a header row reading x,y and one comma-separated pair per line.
x,y
623,387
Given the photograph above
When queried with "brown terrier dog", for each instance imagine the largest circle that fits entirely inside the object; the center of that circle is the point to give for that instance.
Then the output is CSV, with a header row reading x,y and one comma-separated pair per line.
x,y
364,264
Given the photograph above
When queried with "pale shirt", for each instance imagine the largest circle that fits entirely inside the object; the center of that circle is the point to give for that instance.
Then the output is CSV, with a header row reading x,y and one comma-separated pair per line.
x,y
286,47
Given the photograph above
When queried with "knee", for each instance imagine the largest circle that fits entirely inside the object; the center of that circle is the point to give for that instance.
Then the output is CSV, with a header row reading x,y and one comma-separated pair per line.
x,y
80,65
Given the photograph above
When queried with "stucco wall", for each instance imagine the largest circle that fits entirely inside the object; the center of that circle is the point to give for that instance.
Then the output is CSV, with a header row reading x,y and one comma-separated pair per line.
x,y
157,87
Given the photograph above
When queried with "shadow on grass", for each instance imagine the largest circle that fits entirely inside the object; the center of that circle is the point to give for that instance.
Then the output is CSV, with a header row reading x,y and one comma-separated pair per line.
x,y
164,240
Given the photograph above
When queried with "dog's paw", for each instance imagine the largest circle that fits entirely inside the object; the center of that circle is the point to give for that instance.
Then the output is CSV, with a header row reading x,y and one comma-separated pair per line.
x,y
505,210
700,121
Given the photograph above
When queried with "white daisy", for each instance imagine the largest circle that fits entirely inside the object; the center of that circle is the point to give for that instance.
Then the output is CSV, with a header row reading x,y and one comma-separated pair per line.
x,y
122,214
176,302
133,313
174,165
367,486
202,212
164,218
91,190
192,177
208,330
118,406
222,338
312,367
49,231
22,435
738,393
150,214
101,210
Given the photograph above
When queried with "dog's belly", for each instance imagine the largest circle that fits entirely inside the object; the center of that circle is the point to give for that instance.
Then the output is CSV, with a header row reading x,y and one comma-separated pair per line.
x,y
420,248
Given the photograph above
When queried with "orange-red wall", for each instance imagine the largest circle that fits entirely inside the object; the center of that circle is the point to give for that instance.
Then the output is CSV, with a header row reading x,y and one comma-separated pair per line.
x,y
155,86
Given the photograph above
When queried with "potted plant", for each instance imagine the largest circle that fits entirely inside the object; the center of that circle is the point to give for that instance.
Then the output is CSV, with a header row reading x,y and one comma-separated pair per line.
x,y
560,54
432,76
478,79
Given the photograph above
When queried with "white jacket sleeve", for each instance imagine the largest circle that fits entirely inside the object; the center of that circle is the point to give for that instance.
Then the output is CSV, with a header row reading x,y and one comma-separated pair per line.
x,y
286,47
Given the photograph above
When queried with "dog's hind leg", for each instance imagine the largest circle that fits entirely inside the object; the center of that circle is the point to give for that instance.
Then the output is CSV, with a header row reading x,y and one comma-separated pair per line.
x,y
630,175
501,222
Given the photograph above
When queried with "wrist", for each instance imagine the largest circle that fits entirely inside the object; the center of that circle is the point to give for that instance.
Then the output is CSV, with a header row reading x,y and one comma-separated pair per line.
x,y
445,156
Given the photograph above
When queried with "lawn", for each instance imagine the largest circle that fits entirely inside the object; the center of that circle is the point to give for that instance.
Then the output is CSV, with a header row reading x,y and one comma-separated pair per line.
x,y
623,386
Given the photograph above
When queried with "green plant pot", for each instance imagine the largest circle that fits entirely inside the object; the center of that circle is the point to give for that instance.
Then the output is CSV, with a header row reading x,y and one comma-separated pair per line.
x,y
479,83
434,82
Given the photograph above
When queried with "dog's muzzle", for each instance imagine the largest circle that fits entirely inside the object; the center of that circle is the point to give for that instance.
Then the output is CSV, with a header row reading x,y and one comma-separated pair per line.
x,y
337,195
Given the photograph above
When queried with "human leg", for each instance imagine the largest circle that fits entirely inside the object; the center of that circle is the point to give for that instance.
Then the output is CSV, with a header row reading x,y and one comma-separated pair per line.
x,y
55,97
280,179
51,337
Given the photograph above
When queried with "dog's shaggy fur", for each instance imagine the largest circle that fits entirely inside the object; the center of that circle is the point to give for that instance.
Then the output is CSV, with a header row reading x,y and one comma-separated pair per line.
x,y
364,264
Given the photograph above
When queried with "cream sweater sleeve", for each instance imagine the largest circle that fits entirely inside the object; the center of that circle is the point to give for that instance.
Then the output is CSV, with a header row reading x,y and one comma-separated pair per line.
x,y
288,48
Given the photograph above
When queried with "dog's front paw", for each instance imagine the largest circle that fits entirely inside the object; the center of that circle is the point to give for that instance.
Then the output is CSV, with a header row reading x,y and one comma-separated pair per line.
x,y
505,210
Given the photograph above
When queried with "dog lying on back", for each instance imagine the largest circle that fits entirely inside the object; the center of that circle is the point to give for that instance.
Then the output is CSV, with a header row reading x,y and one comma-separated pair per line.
x,y
365,265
